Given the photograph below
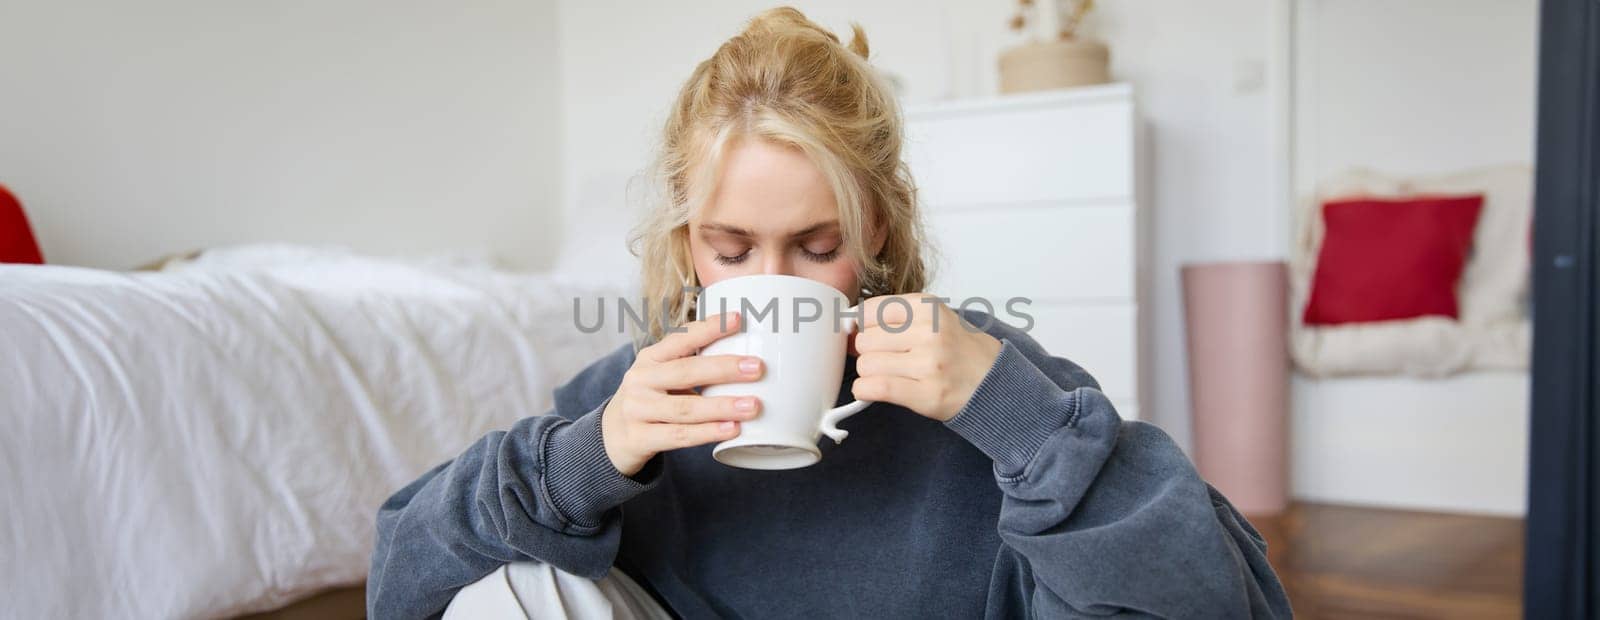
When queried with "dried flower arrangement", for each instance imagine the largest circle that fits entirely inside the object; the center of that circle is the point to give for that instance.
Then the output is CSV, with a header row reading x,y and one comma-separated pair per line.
x,y
1069,16
1068,58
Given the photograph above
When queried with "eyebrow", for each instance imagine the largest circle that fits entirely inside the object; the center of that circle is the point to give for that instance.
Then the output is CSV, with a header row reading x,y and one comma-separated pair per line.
x,y
735,230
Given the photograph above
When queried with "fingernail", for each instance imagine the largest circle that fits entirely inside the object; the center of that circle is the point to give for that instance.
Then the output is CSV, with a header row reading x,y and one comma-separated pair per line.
x,y
750,365
745,404
727,426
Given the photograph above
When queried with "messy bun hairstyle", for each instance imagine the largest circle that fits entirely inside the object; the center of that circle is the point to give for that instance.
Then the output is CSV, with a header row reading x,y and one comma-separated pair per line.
x,y
789,81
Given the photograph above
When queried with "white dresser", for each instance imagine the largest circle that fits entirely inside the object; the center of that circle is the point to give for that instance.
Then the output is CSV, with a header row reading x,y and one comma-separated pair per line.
x,y
1036,196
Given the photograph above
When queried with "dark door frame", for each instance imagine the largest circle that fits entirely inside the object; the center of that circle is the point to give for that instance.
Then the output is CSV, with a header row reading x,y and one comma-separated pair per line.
x,y
1559,579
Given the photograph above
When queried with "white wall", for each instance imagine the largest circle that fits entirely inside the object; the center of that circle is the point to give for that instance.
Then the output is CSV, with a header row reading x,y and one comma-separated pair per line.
x,y
1203,75
1413,87
133,130
1211,137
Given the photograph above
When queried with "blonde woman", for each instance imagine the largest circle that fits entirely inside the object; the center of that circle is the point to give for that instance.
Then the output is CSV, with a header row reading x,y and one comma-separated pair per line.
x,y
989,479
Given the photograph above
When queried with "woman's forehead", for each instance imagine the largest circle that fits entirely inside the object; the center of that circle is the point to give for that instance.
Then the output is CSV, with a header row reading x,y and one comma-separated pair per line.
x,y
768,189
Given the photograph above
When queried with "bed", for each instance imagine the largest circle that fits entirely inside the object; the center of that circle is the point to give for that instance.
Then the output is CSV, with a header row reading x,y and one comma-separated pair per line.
x,y
214,438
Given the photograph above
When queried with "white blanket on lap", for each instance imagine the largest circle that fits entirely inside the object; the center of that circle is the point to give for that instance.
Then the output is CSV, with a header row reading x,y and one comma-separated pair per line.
x,y
216,438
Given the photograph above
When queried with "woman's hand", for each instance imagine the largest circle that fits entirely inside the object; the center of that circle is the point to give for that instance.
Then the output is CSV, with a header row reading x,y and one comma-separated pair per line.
x,y
655,408
919,355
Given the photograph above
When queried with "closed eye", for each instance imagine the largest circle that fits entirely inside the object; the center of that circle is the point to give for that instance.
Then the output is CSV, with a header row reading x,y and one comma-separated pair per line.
x,y
824,257
732,260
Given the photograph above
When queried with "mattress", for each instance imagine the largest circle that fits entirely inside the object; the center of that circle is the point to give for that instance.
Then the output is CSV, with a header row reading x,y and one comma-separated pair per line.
x,y
215,438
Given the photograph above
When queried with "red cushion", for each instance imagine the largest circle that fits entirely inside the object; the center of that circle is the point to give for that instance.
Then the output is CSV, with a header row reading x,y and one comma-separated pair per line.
x,y
16,238
1385,259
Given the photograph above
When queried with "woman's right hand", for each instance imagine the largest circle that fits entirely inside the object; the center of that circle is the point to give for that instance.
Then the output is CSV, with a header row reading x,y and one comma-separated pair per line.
x,y
655,409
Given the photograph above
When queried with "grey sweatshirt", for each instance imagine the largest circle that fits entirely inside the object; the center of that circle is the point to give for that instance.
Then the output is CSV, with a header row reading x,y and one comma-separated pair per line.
x,y
1036,500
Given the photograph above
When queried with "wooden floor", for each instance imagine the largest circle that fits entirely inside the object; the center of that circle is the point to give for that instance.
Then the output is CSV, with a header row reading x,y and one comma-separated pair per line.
x,y
1337,561
1348,562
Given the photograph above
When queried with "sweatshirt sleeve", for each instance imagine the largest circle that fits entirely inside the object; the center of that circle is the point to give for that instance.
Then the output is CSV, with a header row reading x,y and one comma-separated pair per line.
x,y
544,490
1109,516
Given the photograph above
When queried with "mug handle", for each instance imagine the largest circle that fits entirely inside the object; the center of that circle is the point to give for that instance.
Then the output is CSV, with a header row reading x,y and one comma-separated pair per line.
x,y
832,417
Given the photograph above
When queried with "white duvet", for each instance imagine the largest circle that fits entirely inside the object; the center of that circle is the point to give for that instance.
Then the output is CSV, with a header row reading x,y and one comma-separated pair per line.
x,y
215,439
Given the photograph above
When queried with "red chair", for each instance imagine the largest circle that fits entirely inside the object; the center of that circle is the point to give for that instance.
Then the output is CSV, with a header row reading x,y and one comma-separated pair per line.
x,y
16,238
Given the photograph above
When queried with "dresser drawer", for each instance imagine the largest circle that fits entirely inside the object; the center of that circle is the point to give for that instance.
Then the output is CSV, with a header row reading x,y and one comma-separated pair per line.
x,y
1043,253
1100,338
1083,153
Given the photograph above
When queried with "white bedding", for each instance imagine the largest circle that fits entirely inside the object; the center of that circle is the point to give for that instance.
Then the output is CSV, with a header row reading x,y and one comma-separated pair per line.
x,y
215,439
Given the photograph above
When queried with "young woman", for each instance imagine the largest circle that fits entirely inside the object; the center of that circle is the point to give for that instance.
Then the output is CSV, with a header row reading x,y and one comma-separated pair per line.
x,y
989,479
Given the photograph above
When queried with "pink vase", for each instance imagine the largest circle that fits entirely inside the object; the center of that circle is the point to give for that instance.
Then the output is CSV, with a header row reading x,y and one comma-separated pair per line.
x,y
1236,320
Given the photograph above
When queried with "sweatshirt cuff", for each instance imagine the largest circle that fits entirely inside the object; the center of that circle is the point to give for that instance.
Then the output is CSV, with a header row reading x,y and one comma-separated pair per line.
x,y
578,476
1015,409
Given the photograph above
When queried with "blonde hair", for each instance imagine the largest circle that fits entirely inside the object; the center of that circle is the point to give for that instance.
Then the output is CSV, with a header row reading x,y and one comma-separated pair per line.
x,y
789,81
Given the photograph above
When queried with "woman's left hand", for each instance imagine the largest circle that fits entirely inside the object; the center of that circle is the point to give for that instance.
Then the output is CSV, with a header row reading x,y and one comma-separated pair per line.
x,y
916,352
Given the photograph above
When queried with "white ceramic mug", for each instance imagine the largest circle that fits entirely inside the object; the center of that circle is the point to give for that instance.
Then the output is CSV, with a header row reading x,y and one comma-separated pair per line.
x,y
800,329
